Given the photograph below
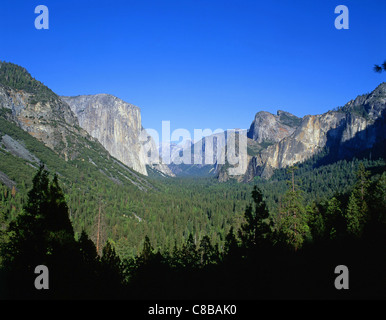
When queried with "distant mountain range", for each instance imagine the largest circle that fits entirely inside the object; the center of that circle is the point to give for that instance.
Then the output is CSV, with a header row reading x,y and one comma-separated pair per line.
x,y
112,128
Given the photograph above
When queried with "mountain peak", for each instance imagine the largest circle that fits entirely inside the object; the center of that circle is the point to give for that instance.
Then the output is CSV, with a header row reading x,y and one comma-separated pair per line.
x,y
346,132
267,127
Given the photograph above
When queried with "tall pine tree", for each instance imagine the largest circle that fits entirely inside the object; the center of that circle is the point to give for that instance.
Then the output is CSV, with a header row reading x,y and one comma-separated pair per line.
x,y
293,228
357,208
256,227
41,235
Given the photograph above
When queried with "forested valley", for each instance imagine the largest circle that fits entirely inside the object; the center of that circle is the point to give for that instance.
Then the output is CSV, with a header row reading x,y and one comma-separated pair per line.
x,y
196,238
105,231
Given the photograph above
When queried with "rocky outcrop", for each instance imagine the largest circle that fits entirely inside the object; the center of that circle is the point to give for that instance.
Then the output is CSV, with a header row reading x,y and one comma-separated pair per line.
x,y
270,128
309,138
116,124
204,157
51,122
17,149
355,127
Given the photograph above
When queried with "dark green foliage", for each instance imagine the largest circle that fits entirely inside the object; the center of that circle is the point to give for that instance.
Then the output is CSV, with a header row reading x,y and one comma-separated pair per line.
x,y
255,229
275,272
380,68
147,251
16,77
208,254
40,235
292,222
191,224
290,120
272,271
189,254
198,269
3,229
377,199
88,251
111,268
357,208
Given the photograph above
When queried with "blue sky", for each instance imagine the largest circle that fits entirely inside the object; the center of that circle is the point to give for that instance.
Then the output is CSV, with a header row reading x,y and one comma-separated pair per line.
x,y
201,63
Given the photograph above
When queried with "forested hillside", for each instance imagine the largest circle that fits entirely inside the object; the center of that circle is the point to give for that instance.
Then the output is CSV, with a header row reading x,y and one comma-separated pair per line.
x,y
14,76
287,255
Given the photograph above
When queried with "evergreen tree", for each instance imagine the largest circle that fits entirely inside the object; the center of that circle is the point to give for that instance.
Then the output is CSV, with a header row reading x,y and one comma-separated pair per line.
x,y
111,266
354,216
231,248
293,229
334,216
175,256
88,250
256,227
379,199
316,221
208,253
147,251
3,229
90,268
189,253
357,209
41,235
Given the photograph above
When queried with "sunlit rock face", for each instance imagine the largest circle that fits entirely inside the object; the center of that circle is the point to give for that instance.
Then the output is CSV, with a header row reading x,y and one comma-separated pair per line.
x,y
51,122
116,124
355,127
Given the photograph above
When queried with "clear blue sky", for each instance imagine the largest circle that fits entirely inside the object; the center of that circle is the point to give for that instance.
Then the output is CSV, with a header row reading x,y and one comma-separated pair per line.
x,y
201,63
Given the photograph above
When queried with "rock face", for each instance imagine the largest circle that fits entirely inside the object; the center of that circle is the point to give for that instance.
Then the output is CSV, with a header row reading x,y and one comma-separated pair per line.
x,y
116,124
270,128
17,149
355,127
266,129
51,122
205,156
28,105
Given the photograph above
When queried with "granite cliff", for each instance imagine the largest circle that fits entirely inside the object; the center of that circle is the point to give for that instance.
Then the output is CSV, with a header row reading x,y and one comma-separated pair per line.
x,y
116,124
44,116
269,128
344,132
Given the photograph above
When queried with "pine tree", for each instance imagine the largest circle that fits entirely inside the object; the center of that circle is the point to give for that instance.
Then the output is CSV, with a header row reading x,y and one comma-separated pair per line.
x,y
147,251
189,253
3,229
231,247
111,264
362,181
207,252
42,235
334,216
293,229
87,250
357,209
379,199
256,227
354,216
